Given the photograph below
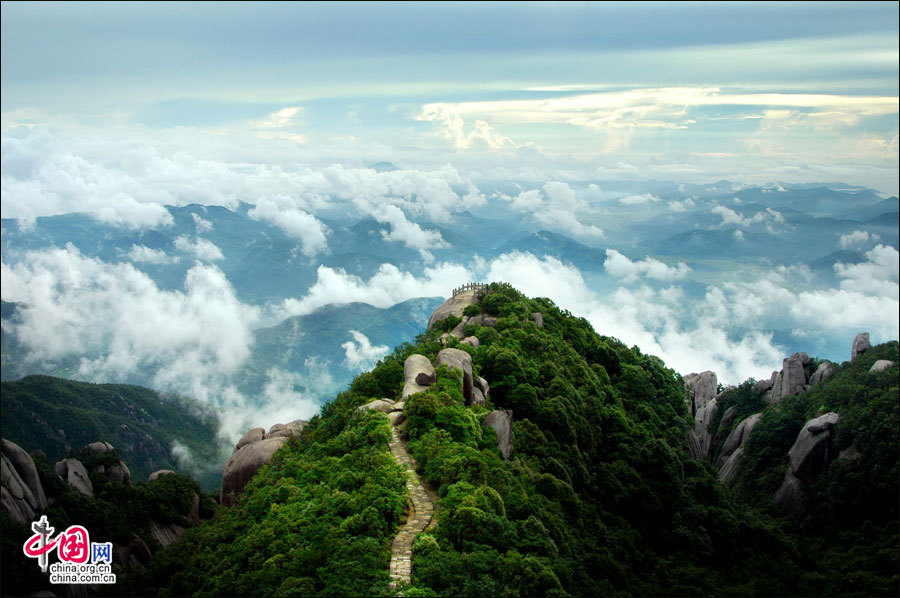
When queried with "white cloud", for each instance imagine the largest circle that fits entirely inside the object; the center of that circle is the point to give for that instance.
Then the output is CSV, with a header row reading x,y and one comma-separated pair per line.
x,y
681,206
360,354
620,266
769,217
283,213
387,287
858,237
124,327
409,233
636,200
877,276
557,208
142,253
202,249
202,224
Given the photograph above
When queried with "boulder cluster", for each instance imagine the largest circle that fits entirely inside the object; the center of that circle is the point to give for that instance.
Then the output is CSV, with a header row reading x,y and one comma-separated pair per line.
x,y
252,451
24,499
811,452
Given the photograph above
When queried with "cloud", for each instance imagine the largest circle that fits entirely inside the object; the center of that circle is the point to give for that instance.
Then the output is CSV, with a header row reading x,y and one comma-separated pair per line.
x,y
636,200
620,266
124,328
202,249
144,254
557,208
388,286
202,224
482,134
681,206
858,237
409,233
283,213
769,217
877,276
360,354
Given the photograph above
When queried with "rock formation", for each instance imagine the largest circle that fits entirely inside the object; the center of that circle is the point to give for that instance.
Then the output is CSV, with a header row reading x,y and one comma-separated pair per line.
x,y
861,344
250,454
459,359
21,493
418,374
733,448
159,472
73,472
880,366
453,306
809,457
501,423
701,402
117,472
824,372
538,318
791,380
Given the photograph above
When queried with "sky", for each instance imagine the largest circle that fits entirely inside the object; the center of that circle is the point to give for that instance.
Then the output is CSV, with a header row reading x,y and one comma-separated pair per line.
x,y
795,92
529,109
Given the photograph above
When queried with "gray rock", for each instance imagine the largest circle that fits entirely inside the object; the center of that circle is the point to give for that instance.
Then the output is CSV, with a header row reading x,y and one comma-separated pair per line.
x,y
159,472
762,386
851,453
165,534
737,438
538,318
23,464
501,423
459,330
861,344
243,465
459,359
704,416
775,396
793,375
477,396
139,548
194,515
483,385
418,368
396,417
118,472
471,340
73,472
453,306
15,497
382,405
880,366
729,467
482,320
100,447
809,457
703,388
288,430
410,388
250,436
824,372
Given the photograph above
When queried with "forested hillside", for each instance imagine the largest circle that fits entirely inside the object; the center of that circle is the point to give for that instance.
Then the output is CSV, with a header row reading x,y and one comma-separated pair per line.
x,y
599,496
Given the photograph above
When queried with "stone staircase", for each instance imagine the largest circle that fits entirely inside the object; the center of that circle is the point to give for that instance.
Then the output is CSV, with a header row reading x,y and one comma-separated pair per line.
x,y
423,507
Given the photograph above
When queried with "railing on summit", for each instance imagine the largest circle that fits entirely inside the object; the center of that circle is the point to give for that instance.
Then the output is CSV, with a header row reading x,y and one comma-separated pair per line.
x,y
476,286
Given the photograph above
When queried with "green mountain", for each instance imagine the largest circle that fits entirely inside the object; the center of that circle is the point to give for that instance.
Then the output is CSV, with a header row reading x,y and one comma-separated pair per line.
x,y
599,496
54,416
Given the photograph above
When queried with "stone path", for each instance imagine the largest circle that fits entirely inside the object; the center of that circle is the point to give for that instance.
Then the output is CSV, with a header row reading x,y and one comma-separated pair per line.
x,y
423,507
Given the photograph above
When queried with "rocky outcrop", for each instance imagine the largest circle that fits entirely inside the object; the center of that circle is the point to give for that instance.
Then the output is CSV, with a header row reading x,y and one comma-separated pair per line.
x,y
731,452
382,405
73,472
880,366
453,306
16,497
861,344
809,456
538,318
252,451
243,464
23,465
824,372
418,374
791,380
250,436
117,472
287,430
501,423
165,534
159,472
459,359
472,341
701,403
482,320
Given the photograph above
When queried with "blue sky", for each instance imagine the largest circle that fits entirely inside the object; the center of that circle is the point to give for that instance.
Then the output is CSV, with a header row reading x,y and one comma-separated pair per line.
x,y
684,91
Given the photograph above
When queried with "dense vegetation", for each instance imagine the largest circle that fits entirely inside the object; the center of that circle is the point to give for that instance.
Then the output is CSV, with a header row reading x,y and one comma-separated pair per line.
x,y
598,498
54,415
117,513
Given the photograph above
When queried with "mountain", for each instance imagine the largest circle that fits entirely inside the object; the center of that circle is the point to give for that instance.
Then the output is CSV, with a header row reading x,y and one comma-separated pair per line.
x,y
150,430
864,214
559,246
568,475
